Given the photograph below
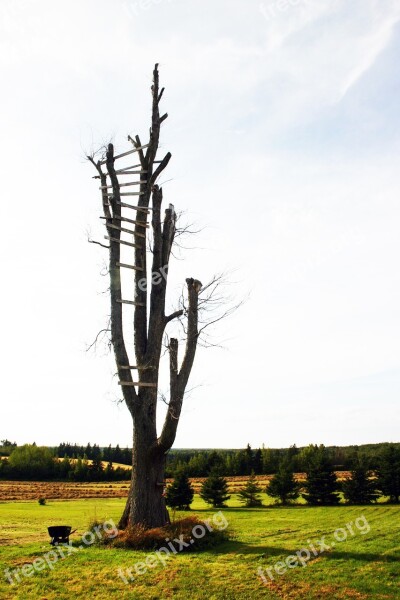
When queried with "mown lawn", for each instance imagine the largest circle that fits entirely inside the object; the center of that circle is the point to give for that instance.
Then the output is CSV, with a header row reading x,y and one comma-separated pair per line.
x,y
365,565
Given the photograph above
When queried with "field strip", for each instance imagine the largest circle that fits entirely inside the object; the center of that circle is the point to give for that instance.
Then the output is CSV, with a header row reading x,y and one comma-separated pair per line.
x,y
65,490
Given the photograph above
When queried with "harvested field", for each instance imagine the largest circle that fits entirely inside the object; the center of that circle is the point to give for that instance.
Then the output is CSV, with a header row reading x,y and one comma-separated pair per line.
x,y
235,484
61,490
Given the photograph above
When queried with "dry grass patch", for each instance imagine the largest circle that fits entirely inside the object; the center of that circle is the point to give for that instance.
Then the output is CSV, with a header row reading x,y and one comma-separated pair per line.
x,y
178,536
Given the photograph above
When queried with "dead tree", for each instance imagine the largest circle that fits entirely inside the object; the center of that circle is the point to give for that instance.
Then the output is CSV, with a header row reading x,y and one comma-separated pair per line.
x,y
145,503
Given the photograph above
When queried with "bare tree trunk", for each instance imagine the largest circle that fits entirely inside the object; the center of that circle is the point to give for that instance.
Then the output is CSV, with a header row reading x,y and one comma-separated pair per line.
x,y
145,503
124,520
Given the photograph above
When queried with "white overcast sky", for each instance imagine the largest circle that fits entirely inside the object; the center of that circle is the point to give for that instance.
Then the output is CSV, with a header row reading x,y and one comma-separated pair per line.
x,y
284,128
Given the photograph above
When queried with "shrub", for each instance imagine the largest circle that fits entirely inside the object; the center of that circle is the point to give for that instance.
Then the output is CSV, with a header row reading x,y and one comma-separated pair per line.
x,y
137,537
100,535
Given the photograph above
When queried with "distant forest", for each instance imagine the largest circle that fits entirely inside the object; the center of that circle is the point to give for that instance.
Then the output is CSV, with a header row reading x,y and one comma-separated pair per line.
x,y
38,462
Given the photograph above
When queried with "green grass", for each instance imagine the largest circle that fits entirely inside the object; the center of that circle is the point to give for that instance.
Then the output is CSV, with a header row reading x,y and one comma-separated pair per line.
x,y
363,566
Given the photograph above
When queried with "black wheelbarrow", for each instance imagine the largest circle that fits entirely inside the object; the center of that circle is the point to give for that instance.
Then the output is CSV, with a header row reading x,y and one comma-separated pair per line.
x,y
60,534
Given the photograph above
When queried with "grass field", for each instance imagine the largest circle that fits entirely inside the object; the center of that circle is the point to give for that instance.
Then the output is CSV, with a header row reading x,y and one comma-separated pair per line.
x,y
365,565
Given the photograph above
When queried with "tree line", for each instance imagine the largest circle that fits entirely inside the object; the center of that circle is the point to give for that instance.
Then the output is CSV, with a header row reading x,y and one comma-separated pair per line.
x,y
196,463
92,452
31,462
321,486
266,461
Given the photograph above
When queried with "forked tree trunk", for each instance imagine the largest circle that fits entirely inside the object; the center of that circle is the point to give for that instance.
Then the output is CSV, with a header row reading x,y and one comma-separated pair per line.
x,y
145,503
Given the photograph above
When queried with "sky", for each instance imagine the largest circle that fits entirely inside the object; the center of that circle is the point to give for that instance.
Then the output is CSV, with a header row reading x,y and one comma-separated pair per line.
x,y
284,131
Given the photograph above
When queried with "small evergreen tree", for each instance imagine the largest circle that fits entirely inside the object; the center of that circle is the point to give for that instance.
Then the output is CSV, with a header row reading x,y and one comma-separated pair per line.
x,y
215,462
360,488
258,462
117,454
388,473
180,493
270,461
293,457
250,494
249,460
109,473
96,469
321,485
81,470
88,451
64,467
214,490
107,453
283,485
4,468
